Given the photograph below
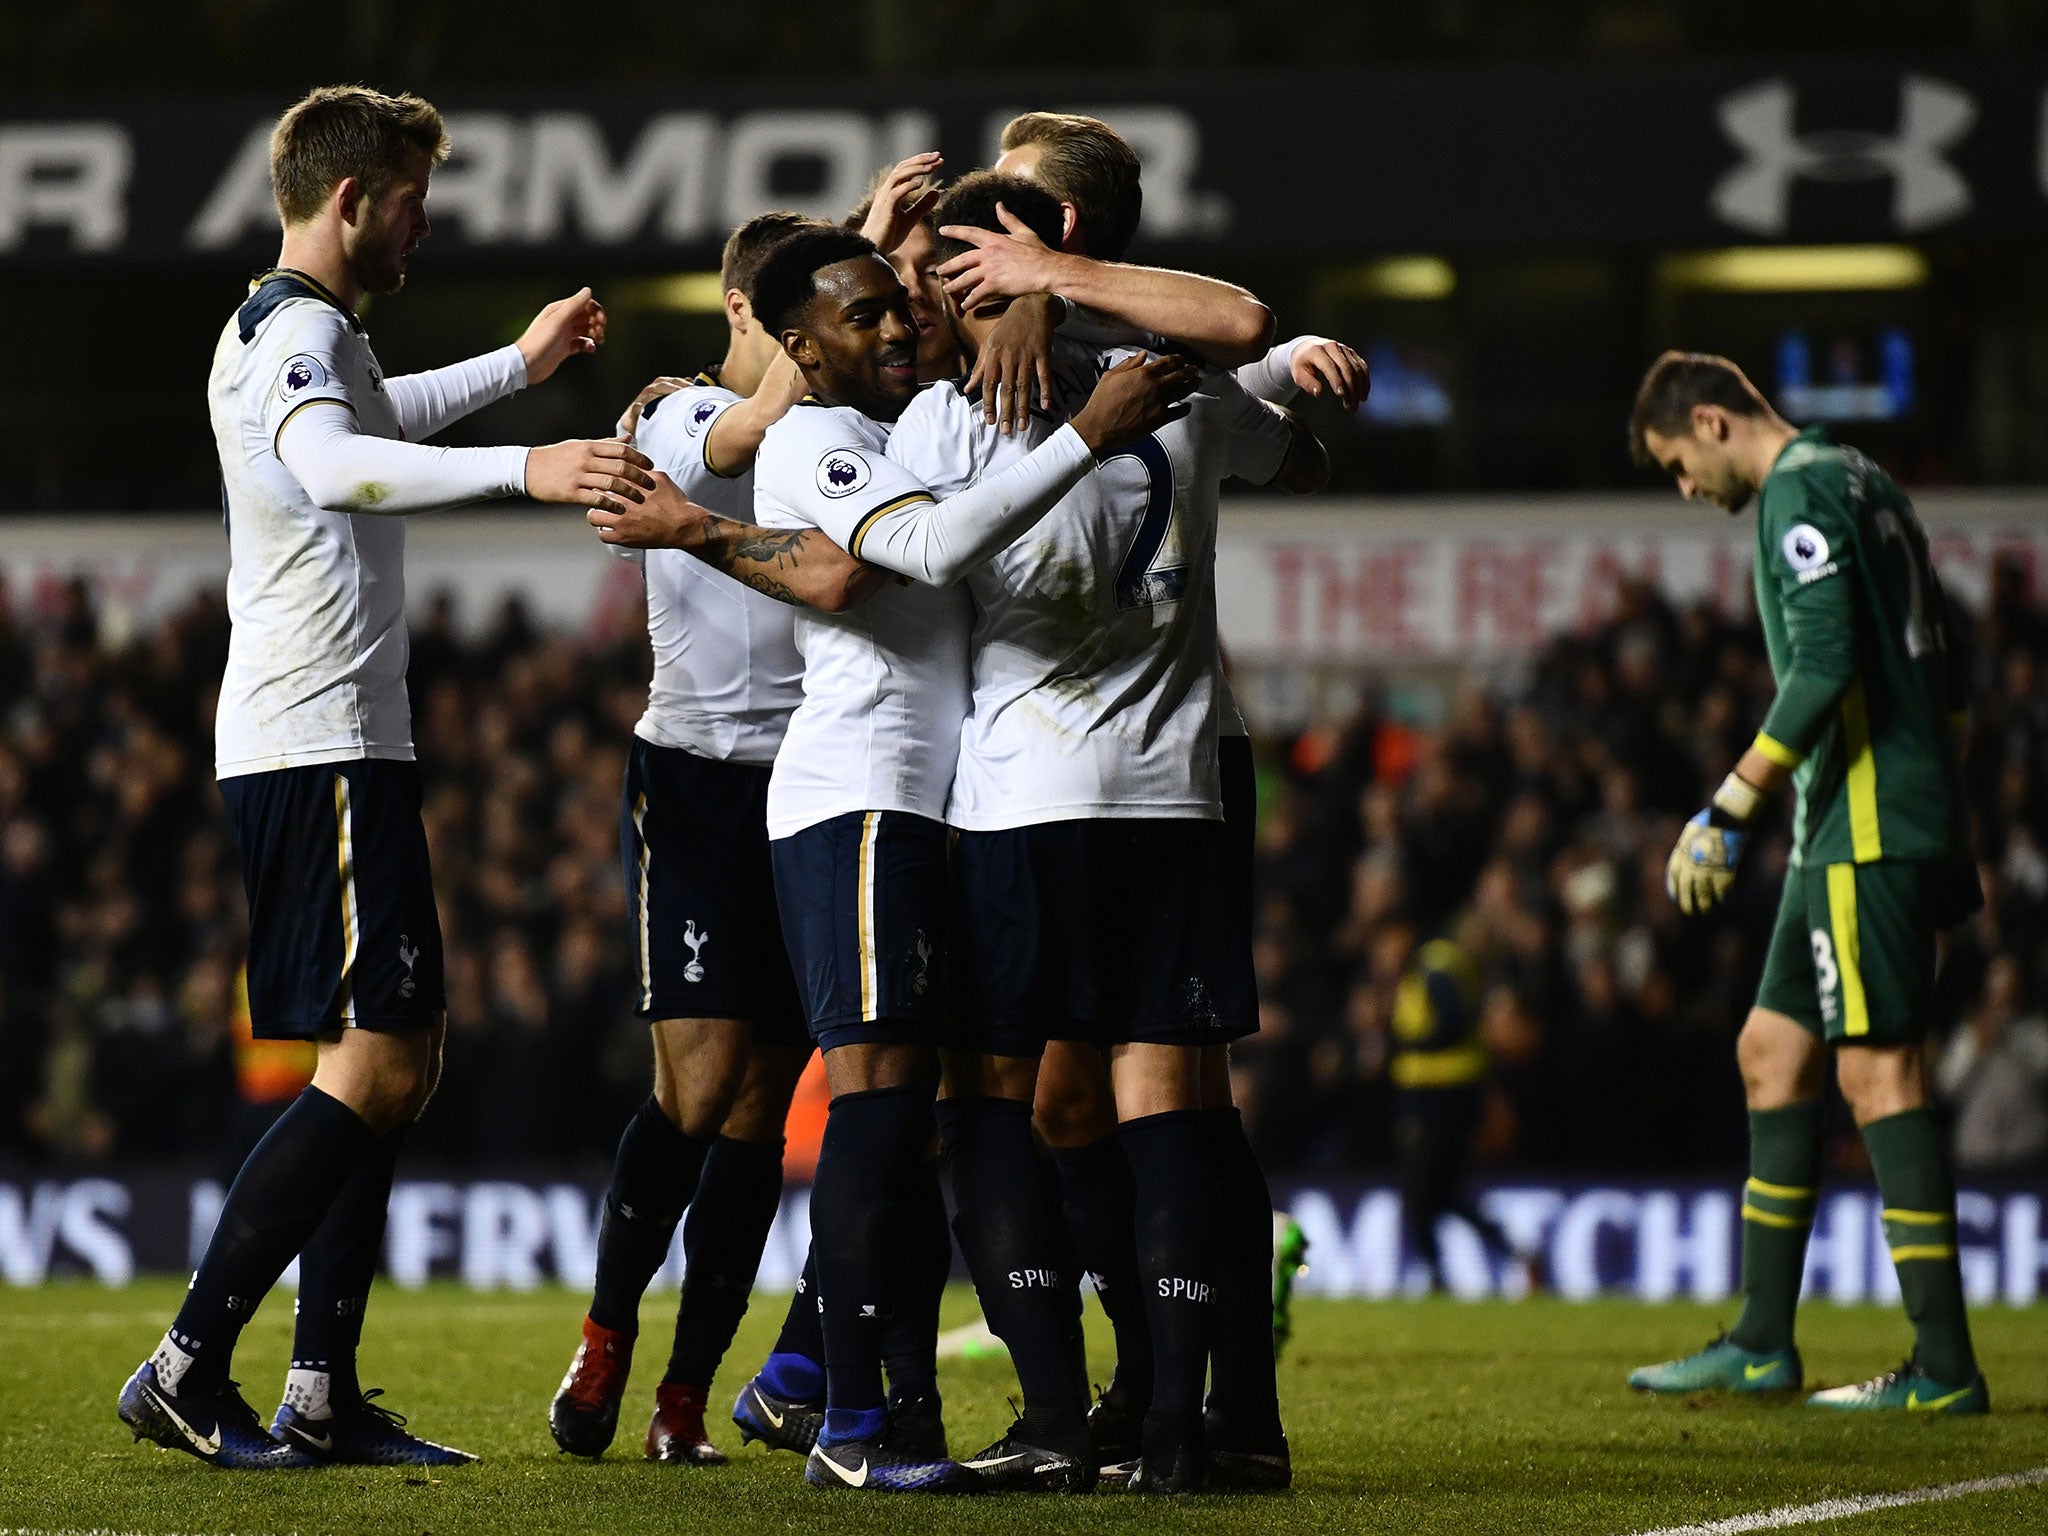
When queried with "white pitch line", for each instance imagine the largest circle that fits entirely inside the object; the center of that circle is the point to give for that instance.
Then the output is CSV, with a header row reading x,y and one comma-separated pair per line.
x,y
1842,1509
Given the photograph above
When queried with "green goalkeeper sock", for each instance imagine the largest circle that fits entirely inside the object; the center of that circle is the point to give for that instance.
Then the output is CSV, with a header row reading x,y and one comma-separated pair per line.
x,y
1919,1196
1777,1215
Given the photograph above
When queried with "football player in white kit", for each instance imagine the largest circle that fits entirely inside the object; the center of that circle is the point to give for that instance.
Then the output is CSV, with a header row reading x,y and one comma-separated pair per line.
x,y
714,978
1092,865
320,458
857,798
709,451
1094,175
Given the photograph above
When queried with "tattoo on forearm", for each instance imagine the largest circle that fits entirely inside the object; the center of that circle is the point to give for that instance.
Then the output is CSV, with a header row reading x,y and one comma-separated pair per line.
x,y
768,586
754,556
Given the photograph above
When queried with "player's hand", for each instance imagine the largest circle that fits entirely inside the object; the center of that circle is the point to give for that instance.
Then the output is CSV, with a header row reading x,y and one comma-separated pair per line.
x,y
1138,395
1331,368
564,328
906,195
667,384
1014,361
603,472
664,518
1703,864
1000,266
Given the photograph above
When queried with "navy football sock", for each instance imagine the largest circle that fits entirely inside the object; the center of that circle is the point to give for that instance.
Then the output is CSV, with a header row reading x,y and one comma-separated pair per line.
x,y
871,1145
796,1366
1008,1230
1243,1389
1176,1204
653,1177
335,1270
1101,1213
923,1263
283,1190
737,1196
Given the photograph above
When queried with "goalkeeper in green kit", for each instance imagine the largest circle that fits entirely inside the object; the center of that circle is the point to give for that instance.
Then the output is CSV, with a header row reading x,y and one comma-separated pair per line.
x,y
1861,727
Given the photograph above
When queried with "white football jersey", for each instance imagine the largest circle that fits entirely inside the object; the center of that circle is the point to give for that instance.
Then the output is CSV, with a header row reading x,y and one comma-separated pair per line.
x,y
885,685
317,654
1094,658
726,669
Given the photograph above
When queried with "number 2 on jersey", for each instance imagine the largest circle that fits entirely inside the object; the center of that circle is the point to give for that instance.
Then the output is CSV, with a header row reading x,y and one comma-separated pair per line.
x,y
1140,581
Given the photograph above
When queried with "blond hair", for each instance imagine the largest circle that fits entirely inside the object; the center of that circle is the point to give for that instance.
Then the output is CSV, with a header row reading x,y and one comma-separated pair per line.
x,y
1085,162
339,131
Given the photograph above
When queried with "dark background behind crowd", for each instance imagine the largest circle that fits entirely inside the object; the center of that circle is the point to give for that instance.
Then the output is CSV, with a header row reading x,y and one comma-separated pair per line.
x,y
1530,824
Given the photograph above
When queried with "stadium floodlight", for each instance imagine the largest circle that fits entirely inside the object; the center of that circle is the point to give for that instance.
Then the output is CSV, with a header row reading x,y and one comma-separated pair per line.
x,y
1396,277
690,293
1796,269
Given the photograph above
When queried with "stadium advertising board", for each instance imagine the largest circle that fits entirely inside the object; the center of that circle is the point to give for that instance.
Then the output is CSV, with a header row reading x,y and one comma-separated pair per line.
x,y
1384,583
1712,154
1374,583
1648,1241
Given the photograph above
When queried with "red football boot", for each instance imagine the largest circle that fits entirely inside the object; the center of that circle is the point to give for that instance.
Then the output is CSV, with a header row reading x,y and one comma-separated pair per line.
x,y
585,1413
676,1433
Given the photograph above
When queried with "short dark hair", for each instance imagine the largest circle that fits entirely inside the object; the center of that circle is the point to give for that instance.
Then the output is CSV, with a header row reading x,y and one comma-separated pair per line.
x,y
339,131
1085,162
786,280
972,201
1676,383
746,246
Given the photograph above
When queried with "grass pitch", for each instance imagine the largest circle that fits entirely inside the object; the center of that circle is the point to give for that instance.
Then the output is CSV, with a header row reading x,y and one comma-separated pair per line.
x,y
1408,1417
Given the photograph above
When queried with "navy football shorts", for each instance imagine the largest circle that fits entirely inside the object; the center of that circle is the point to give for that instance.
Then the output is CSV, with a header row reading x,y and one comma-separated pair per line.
x,y
343,932
863,902
1103,930
700,894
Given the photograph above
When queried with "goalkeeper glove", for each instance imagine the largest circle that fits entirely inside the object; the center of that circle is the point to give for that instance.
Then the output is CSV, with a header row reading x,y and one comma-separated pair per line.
x,y
1702,866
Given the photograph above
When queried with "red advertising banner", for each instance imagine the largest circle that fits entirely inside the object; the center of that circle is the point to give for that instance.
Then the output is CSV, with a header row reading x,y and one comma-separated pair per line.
x,y
1330,583
1376,585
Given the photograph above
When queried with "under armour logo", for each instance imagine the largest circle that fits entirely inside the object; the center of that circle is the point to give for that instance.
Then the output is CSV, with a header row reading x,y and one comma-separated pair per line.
x,y
408,952
694,971
1934,117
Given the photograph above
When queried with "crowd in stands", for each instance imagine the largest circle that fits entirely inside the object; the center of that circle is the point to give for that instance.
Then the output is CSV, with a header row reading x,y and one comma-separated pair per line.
x,y
1532,828
1529,824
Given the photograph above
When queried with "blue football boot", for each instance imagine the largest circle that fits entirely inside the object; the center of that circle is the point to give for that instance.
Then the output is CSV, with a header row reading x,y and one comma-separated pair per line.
x,y
780,1423
888,1462
365,1435
218,1427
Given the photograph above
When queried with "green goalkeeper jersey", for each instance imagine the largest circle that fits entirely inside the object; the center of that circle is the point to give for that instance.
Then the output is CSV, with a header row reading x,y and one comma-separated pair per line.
x,y
1859,641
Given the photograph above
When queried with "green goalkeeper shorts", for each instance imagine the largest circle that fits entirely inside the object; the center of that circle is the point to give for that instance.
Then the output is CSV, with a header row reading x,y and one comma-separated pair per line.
x,y
1852,954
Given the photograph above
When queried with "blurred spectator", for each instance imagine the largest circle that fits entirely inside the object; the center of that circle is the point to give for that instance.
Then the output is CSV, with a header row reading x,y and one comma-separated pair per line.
x,y
1994,1072
122,920
1532,824
1540,818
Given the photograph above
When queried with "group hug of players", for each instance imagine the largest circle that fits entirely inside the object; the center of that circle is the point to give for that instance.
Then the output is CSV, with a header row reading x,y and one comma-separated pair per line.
x,y
940,775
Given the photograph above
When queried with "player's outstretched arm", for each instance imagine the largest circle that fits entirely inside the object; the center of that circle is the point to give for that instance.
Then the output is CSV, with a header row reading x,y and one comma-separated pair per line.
x,y
938,542
427,402
344,469
588,472
735,437
1218,321
1312,364
801,566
